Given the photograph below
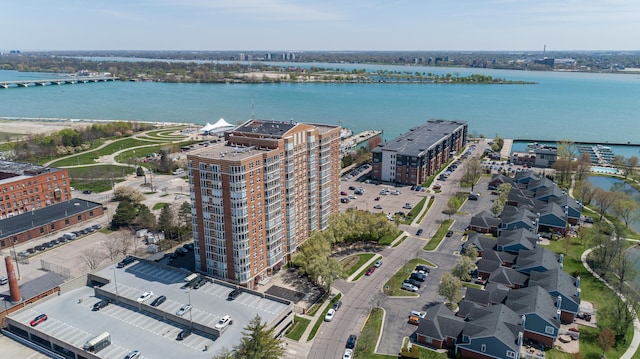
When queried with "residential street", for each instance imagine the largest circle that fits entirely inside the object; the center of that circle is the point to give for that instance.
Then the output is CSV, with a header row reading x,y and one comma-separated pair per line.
x,y
360,297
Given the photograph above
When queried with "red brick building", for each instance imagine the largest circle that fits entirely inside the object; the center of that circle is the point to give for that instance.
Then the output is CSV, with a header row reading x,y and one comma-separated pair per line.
x,y
25,187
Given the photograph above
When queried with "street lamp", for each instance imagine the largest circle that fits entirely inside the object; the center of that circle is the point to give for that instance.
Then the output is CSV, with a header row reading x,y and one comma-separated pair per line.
x,y
15,255
115,282
190,309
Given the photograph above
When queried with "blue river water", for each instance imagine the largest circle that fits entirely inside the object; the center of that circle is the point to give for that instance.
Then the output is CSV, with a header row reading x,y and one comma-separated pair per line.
x,y
599,108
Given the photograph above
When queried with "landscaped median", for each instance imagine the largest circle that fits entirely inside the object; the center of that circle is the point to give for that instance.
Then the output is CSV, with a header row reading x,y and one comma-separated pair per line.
x,y
434,242
355,262
393,286
320,318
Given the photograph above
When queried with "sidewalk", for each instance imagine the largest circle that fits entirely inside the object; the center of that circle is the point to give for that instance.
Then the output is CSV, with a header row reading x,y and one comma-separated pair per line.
x,y
301,349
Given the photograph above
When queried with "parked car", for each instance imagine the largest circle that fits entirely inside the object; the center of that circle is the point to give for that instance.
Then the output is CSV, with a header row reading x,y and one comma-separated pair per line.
x,y
473,196
144,296
377,206
449,233
409,287
370,271
97,227
185,308
418,313
419,232
39,319
156,302
183,334
337,305
414,320
348,354
125,262
223,322
437,186
378,263
351,341
422,268
133,355
234,294
418,276
101,304
414,282
329,316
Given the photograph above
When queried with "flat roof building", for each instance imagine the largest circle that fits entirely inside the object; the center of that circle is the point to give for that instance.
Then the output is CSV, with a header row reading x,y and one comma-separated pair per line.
x,y
137,325
258,196
414,156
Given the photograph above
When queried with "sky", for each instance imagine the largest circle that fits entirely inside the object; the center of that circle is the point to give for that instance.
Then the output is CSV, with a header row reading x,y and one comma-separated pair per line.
x,y
327,25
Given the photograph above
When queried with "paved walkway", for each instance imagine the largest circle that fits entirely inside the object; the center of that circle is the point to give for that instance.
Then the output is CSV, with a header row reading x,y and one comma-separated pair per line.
x,y
635,342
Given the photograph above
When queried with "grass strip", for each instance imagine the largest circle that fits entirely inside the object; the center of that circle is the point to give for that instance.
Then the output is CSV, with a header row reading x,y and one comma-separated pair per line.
x,y
295,332
362,259
434,242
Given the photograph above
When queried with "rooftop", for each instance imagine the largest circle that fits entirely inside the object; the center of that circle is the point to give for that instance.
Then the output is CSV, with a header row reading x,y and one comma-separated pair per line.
x,y
42,216
265,127
72,321
421,138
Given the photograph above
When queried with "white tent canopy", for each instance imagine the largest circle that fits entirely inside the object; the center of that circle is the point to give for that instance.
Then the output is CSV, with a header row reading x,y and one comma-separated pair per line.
x,y
219,126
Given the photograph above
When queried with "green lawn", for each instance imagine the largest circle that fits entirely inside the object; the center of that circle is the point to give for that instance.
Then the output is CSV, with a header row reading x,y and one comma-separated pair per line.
x,y
97,178
386,240
362,259
431,200
434,242
367,340
297,329
399,242
591,290
414,211
392,287
160,205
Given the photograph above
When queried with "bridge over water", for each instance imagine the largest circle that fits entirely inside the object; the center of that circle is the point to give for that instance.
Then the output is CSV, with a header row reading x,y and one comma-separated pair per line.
x,y
57,81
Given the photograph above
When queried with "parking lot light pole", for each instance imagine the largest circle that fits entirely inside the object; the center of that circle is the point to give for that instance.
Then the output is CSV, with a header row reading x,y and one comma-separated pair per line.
x,y
115,282
190,309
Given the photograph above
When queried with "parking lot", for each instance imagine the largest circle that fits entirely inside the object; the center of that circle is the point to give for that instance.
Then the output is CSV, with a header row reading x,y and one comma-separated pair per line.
x,y
72,320
377,198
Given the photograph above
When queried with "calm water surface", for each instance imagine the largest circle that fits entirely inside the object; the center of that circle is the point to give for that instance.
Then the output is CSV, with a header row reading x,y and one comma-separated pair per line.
x,y
582,107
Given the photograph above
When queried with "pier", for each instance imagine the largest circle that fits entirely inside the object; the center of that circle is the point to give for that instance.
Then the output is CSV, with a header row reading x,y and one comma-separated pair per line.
x,y
350,143
57,81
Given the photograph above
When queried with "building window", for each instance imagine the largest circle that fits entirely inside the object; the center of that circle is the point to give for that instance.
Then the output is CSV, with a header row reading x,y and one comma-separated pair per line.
x,y
79,217
90,213
511,354
66,221
53,226
549,330
41,230
483,348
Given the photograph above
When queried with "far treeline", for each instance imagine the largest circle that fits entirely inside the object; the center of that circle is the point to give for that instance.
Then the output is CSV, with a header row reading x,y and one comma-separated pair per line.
x,y
212,72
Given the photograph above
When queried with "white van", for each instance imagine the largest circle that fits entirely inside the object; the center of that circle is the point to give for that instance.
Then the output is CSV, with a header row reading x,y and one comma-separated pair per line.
x,y
3,280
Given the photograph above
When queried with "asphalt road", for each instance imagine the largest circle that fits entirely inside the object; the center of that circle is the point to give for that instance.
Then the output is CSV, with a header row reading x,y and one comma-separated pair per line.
x,y
361,296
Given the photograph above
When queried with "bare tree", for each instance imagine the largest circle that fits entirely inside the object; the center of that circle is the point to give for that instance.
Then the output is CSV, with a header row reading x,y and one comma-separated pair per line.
x,y
92,257
472,172
112,247
124,241
604,200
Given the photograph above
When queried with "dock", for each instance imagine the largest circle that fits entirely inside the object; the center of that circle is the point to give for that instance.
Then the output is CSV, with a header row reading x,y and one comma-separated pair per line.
x,y
350,143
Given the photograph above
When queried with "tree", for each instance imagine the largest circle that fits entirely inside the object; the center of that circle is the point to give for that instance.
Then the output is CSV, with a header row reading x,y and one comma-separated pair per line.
x,y
564,162
471,252
450,288
166,220
145,218
259,342
125,214
631,164
472,172
583,167
92,257
604,200
452,206
112,247
184,215
625,208
606,339
463,268
125,241
583,191
133,195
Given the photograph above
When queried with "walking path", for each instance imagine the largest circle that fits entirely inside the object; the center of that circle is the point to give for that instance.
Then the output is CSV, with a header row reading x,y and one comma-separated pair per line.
x,y
635,342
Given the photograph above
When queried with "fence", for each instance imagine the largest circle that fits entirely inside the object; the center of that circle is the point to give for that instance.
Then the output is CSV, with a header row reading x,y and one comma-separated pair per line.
x,y
62,271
